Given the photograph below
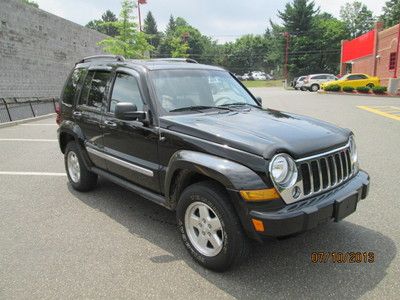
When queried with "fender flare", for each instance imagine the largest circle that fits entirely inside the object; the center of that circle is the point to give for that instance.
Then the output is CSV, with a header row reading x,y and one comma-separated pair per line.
x,y
231,174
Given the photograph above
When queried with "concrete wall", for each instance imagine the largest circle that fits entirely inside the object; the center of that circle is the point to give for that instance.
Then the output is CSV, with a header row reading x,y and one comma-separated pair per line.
x,y
38,50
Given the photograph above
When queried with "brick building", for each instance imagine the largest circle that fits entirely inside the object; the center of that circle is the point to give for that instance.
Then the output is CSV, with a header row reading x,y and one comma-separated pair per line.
x,y
373,53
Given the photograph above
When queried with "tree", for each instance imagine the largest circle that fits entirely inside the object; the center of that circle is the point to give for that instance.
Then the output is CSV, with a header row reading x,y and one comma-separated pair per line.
x,y
391,13
150,28
171,27
105,24
298,16
129,42
31,3
357,17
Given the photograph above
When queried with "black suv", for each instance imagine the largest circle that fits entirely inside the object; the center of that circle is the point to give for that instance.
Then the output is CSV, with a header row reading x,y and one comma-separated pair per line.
x,y
193,139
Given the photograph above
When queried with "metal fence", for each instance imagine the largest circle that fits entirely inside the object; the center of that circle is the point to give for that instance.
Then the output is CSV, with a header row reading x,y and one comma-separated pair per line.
x,y
14,109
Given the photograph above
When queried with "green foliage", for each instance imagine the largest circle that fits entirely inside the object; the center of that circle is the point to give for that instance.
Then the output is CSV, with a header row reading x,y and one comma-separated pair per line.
x,y
106,24
363,89
150,28
348,89
379,89
391,13
129,42
31,3
298,16
332,88
357,17
179,48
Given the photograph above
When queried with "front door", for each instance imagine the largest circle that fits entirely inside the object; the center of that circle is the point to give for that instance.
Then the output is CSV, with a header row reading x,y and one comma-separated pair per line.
x,y
89,110
130,146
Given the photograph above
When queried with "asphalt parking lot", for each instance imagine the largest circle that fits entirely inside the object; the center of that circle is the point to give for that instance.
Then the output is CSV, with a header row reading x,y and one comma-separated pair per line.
x,y
109,243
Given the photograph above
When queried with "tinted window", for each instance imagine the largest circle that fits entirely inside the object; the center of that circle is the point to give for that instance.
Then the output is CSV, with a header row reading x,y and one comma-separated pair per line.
x,y
362,77
86,88
98,88
72,86
319,77
352,77
126,89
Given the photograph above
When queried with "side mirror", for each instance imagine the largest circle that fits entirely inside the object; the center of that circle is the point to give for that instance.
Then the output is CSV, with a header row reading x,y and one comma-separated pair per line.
x,y
259,100
128,112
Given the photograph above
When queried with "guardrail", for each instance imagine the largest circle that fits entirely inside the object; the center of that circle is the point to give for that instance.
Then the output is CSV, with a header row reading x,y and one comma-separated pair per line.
x,y
15,109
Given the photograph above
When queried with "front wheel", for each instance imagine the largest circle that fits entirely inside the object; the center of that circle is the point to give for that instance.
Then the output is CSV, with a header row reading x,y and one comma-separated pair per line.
x,y
210,228
79,176
314,88
370,85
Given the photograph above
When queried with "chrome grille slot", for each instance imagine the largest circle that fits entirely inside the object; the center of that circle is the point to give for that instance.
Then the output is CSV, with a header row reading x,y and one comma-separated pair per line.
x,y
321,173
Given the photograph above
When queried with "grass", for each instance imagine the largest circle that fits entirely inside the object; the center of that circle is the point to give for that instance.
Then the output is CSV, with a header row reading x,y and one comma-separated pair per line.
x,y
262,83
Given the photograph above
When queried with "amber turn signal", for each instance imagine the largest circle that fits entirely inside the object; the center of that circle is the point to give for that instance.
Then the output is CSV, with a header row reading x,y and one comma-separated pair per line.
x,y
259,195
258,225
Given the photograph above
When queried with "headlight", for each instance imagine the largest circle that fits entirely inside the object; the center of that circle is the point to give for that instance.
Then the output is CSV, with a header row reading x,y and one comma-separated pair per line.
x,y
353,150
283,170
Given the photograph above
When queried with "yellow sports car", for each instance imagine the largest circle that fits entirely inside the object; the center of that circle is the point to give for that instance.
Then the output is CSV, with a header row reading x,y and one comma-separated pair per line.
x,y
354,80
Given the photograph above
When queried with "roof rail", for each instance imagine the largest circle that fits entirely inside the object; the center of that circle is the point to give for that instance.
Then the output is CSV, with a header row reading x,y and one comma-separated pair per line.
x,y
90,58
187,60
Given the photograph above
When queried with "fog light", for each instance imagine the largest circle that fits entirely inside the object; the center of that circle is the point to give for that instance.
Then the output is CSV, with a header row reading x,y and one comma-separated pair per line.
x,y
258,225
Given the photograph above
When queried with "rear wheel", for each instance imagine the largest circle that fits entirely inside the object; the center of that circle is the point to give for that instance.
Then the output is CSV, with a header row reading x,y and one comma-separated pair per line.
x,y
314,88
210,228
370,85
79,176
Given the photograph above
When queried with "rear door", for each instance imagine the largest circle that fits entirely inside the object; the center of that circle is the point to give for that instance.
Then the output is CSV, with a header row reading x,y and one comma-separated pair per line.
x,y
89,111
130,146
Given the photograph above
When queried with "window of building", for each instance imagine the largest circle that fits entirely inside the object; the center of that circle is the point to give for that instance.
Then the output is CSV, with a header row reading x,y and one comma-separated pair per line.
x,y
392,61
126,89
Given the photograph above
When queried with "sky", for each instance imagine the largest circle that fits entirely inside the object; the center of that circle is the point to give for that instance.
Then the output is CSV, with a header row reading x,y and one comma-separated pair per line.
x,y
224,20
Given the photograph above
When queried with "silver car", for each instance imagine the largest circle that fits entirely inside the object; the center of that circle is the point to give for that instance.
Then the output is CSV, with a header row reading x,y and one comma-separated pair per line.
x,y
313,82
299,83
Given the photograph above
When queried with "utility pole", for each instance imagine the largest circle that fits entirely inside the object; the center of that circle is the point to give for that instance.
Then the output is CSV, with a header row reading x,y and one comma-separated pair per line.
x,y
138,6
285,67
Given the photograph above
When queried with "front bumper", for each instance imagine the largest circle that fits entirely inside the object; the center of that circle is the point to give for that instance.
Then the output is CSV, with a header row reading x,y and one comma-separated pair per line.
x,y
309,213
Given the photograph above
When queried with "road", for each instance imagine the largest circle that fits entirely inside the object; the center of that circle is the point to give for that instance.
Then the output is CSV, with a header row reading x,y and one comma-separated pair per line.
x,y
109,243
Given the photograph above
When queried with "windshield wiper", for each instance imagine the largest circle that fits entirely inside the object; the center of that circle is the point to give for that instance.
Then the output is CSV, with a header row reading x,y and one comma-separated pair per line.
x,y
197,107
239,104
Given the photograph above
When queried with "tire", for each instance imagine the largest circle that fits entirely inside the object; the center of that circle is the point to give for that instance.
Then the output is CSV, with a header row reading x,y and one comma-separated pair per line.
x,y
370,85
296,88
314,88
213,202
79,176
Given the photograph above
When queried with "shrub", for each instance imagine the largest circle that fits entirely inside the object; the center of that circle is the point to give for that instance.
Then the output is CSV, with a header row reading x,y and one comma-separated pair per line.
x,y
332,88
379,89
363,89
348,89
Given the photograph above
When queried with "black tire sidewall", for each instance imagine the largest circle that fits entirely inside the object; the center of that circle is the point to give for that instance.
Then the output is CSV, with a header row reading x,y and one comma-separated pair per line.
x,y
215,200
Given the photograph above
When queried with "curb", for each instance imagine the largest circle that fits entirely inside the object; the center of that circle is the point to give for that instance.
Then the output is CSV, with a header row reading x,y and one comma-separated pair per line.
x,y
14,123
358,94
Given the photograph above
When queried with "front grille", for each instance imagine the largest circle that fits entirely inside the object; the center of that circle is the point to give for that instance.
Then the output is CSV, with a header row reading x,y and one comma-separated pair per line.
x,y
325,172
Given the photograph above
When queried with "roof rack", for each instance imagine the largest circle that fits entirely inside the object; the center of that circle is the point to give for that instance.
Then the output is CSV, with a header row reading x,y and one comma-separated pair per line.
x,y
94,57
186,60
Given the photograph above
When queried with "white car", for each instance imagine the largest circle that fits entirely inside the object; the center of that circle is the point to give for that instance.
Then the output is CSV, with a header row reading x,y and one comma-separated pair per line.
x,y
299,83
313,82
246,76
259,76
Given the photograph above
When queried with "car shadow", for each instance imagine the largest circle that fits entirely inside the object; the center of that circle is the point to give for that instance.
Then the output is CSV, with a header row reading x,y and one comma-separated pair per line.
x,y
276,268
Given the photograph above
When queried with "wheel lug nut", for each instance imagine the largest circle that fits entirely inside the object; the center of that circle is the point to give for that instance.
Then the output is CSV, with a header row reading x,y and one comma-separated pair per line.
x,y
209,234
209,226
203,233
200,225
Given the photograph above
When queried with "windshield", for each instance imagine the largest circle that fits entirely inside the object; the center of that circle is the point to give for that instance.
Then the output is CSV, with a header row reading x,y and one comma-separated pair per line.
x,y
202,89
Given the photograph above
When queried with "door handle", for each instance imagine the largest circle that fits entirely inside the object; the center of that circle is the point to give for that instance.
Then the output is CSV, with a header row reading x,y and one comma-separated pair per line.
x,y
77,114
110,124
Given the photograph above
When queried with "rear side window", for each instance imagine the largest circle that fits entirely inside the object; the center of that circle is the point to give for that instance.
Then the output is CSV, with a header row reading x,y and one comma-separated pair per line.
x,y
94,88
71,86
126,89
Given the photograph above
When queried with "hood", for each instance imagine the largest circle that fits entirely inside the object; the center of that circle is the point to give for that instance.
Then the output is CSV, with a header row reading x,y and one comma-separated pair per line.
x,y
261,132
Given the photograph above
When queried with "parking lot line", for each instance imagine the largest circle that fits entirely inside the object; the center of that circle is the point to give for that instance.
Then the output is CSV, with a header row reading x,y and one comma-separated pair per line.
x,y
381,111
28,140
39,124
32,173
